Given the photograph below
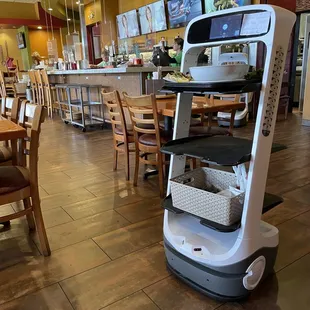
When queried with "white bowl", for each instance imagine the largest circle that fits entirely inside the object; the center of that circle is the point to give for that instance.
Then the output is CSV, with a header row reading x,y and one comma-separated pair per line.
x,y
219,73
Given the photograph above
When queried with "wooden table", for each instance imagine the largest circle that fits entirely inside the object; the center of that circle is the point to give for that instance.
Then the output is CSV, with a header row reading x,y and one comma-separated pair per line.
x,y
10,130
13,132
167,108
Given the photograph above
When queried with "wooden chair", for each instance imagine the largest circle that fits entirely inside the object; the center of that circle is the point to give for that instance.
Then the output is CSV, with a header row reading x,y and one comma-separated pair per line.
x,y
47,93
40,90
9,110
21,182
122,135
34,87
2,85
148,140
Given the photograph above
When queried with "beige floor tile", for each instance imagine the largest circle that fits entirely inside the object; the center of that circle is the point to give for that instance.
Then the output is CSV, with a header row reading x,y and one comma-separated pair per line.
x,y
49,298
279,188
107,202
131,238
55,217
39,272
172,294
16,250
111,186
6,209
63,235
63,199
52,177
123,277
285,211
137,301
56,187
294,237
301,194
142,210
288,290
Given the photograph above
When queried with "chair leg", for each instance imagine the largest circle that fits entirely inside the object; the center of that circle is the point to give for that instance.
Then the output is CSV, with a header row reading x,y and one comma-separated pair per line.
x,y
135,182
115,155
127,169
40,224
160,174
30,218
193,163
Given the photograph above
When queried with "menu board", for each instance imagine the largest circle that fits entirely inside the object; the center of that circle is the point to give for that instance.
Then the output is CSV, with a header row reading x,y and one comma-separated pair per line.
x,y
127,24
153,17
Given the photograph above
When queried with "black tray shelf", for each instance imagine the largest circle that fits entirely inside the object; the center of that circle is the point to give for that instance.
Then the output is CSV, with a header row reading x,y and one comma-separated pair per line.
x,y
270,201
219,150
224,87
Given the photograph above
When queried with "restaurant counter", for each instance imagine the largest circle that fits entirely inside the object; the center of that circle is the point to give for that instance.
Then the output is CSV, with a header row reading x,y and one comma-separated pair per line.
x,y
124,79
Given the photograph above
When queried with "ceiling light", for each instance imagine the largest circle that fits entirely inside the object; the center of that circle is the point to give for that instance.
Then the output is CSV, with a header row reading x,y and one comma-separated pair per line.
x,y
50,9
68,19
39,27
77,2
14,27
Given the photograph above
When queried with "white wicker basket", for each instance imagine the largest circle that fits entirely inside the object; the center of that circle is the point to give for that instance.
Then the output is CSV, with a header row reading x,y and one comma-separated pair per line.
x,y
191,193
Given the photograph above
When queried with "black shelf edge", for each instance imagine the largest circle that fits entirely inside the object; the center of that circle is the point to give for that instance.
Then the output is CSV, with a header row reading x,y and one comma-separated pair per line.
x,y
224,87
219,150
270,202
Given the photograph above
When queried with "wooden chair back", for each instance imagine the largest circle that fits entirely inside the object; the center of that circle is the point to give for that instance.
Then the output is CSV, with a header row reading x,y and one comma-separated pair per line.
x,y
143,112
10,108
113,102
41,98
32,116
45,78
2,85
34,86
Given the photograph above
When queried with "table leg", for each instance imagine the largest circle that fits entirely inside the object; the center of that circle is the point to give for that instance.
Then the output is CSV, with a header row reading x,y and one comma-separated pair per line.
x,y
232,121
168,123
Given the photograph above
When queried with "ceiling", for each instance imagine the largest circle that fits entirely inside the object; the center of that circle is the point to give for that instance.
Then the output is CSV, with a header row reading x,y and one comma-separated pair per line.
x,y
21,1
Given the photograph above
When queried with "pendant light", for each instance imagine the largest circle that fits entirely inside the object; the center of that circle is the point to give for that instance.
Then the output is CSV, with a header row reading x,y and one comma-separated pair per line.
x,y
51,20
73,15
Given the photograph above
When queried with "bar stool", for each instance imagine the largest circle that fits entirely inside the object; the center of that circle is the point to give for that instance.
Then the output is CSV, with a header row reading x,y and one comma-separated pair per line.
x,y
34,87
40,90
72,109
49,99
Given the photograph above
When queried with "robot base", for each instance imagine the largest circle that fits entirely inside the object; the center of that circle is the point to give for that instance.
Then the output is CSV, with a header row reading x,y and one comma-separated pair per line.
x,y
221,283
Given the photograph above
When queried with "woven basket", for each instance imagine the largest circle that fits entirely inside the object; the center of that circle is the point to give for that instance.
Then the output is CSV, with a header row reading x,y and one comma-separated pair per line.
x,y
195,192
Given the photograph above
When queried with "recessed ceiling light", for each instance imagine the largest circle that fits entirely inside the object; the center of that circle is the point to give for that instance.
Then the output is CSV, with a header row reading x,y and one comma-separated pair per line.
x,y
77,2
14,27
39,27
50,9
68,19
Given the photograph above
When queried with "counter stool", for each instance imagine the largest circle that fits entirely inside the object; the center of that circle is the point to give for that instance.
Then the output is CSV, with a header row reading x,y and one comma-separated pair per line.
x,y
34,87
72,108
49,99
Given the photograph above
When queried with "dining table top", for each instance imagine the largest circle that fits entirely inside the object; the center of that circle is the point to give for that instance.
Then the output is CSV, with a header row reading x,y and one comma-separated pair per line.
x,y
167,106
11,131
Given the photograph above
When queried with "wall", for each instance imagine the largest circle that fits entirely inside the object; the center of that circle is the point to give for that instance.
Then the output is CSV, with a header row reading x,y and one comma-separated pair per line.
x,y
25,52
38,41
19,10
9,36
93,13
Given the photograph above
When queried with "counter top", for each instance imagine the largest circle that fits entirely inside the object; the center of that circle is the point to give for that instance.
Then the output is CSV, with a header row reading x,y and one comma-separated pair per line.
x,y
111,70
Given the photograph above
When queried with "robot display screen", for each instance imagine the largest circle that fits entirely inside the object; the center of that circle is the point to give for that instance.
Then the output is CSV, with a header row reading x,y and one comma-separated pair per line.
x,y
226,27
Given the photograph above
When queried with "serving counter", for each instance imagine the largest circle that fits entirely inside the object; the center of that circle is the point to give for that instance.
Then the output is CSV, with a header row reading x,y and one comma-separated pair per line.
x,y
130,79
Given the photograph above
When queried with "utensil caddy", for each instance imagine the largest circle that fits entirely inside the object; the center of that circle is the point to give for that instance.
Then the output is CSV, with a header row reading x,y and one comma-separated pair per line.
x,y
197,192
